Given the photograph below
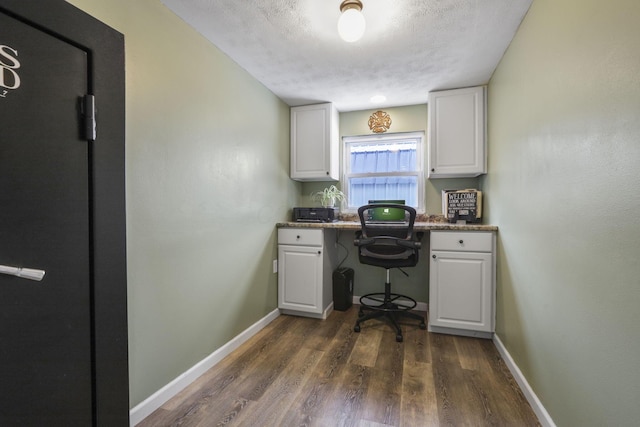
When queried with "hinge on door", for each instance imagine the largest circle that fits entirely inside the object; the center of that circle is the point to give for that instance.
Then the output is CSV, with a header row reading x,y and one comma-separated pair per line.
x,y
89,117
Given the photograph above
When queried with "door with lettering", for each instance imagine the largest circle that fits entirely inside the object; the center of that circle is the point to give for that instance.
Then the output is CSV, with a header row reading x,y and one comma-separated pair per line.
x,y
45,230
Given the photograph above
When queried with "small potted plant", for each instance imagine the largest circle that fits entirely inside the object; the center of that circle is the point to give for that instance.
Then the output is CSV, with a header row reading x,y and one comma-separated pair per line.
x,y
329,196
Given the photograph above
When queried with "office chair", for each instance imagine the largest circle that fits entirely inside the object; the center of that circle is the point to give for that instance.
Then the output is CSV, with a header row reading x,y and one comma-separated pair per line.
x,y
388,246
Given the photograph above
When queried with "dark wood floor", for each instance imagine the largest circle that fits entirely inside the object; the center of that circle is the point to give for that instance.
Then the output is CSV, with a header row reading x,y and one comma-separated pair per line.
x,y
306,372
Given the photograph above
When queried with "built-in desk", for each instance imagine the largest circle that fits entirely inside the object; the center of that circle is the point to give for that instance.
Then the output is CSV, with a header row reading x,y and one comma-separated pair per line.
x,y
461,272
418,226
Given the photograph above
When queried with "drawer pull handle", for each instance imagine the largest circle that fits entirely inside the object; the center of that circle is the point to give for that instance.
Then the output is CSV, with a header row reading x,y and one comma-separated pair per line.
x,y
319,252
461,241
297,237
433,256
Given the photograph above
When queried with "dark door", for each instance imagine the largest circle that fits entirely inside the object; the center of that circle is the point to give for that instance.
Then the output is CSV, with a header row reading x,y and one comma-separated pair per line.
x,y
45,326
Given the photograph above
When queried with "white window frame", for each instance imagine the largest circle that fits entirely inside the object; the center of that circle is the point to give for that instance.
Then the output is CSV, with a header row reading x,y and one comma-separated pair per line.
x,y
386,138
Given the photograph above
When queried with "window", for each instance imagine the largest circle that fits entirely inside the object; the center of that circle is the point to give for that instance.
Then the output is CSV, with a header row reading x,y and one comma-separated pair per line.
x,y
384,167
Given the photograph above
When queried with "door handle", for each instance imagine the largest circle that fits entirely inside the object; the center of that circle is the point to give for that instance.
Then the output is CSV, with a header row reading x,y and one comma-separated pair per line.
x,y
26,273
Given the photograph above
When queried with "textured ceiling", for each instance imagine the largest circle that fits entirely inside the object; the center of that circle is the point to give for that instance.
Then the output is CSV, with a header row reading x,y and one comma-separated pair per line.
x,y
410,47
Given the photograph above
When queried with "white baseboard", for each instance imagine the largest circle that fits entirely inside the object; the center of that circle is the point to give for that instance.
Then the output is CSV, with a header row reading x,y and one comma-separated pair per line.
x,y
536,405
422,306
153,402
460,332
327,311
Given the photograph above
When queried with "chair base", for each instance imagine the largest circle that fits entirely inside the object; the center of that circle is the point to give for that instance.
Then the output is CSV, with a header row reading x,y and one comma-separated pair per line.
x,y
390,306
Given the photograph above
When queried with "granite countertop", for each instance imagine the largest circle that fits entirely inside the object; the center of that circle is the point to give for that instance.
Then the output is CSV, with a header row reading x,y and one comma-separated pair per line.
x,y
425,225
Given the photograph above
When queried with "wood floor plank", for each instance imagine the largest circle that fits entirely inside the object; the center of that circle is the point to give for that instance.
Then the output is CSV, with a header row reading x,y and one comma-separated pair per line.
x,y
457,405
248,350
282,394
267,367
366,423
327,375
505,390
344,405
383,395
367,347
322,333
283,343
471,354
226,418
210,394
416,344
338,353
317,373
497,408
443,348
419,406
159,417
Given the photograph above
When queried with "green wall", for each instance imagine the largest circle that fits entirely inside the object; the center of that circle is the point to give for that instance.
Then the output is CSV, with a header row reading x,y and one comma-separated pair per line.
x,y
207,162
564,188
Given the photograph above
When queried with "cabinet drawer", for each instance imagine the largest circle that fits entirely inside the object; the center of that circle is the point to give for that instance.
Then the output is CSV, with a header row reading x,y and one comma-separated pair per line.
x,y
299,236
475,241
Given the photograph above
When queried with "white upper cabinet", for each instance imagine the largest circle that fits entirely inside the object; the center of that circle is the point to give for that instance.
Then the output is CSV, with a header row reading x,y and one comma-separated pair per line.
x,y
457,123
315,143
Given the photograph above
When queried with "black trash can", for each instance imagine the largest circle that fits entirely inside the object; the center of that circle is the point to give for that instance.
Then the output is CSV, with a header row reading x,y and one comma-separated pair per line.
x,y
343,288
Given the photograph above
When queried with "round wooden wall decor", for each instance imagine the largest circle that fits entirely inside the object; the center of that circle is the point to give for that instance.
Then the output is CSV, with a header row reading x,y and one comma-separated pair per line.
x,y
379,122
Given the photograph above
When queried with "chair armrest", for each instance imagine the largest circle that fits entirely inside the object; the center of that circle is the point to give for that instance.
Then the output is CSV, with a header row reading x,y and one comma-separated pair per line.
x,y
412,244
403,255
363,241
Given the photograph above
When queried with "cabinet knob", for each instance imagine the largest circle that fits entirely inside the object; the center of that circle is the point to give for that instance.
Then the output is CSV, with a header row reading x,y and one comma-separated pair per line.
x,y
319,252
461,241
433,256
297,237
433,169
327,173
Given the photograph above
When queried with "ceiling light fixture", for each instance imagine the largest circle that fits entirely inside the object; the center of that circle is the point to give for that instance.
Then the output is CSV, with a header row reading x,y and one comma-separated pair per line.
x,y
351,24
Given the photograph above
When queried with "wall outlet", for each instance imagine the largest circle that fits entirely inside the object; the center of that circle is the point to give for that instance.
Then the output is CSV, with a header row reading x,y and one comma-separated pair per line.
x,y
275,265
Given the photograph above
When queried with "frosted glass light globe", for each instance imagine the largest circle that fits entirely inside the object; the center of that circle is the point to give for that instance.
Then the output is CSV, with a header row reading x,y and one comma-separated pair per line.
x,y
351,25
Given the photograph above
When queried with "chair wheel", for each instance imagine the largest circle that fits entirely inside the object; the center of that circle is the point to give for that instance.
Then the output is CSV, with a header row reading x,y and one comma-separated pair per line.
x,y
356,328
423,325
399,338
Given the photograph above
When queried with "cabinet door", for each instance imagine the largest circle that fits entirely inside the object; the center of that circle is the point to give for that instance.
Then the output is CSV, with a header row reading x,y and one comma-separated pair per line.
x,y
314,143
300,278
461,290
457,133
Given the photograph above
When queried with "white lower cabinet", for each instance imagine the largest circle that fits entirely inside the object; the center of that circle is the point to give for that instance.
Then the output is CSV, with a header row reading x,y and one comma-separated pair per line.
x,y
305,265
462,283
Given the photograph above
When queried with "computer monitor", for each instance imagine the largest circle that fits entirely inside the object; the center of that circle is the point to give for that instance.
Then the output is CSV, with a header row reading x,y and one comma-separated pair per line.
x,y
386,214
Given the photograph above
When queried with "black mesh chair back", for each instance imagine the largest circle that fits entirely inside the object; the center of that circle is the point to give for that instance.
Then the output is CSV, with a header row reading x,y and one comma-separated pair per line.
x,y
390,245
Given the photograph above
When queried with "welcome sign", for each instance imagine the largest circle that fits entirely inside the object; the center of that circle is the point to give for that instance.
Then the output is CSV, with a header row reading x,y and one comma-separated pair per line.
x,y
462,205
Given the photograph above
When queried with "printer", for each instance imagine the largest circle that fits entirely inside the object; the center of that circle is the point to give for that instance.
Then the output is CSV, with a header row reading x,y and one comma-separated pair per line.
x,y
315,214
